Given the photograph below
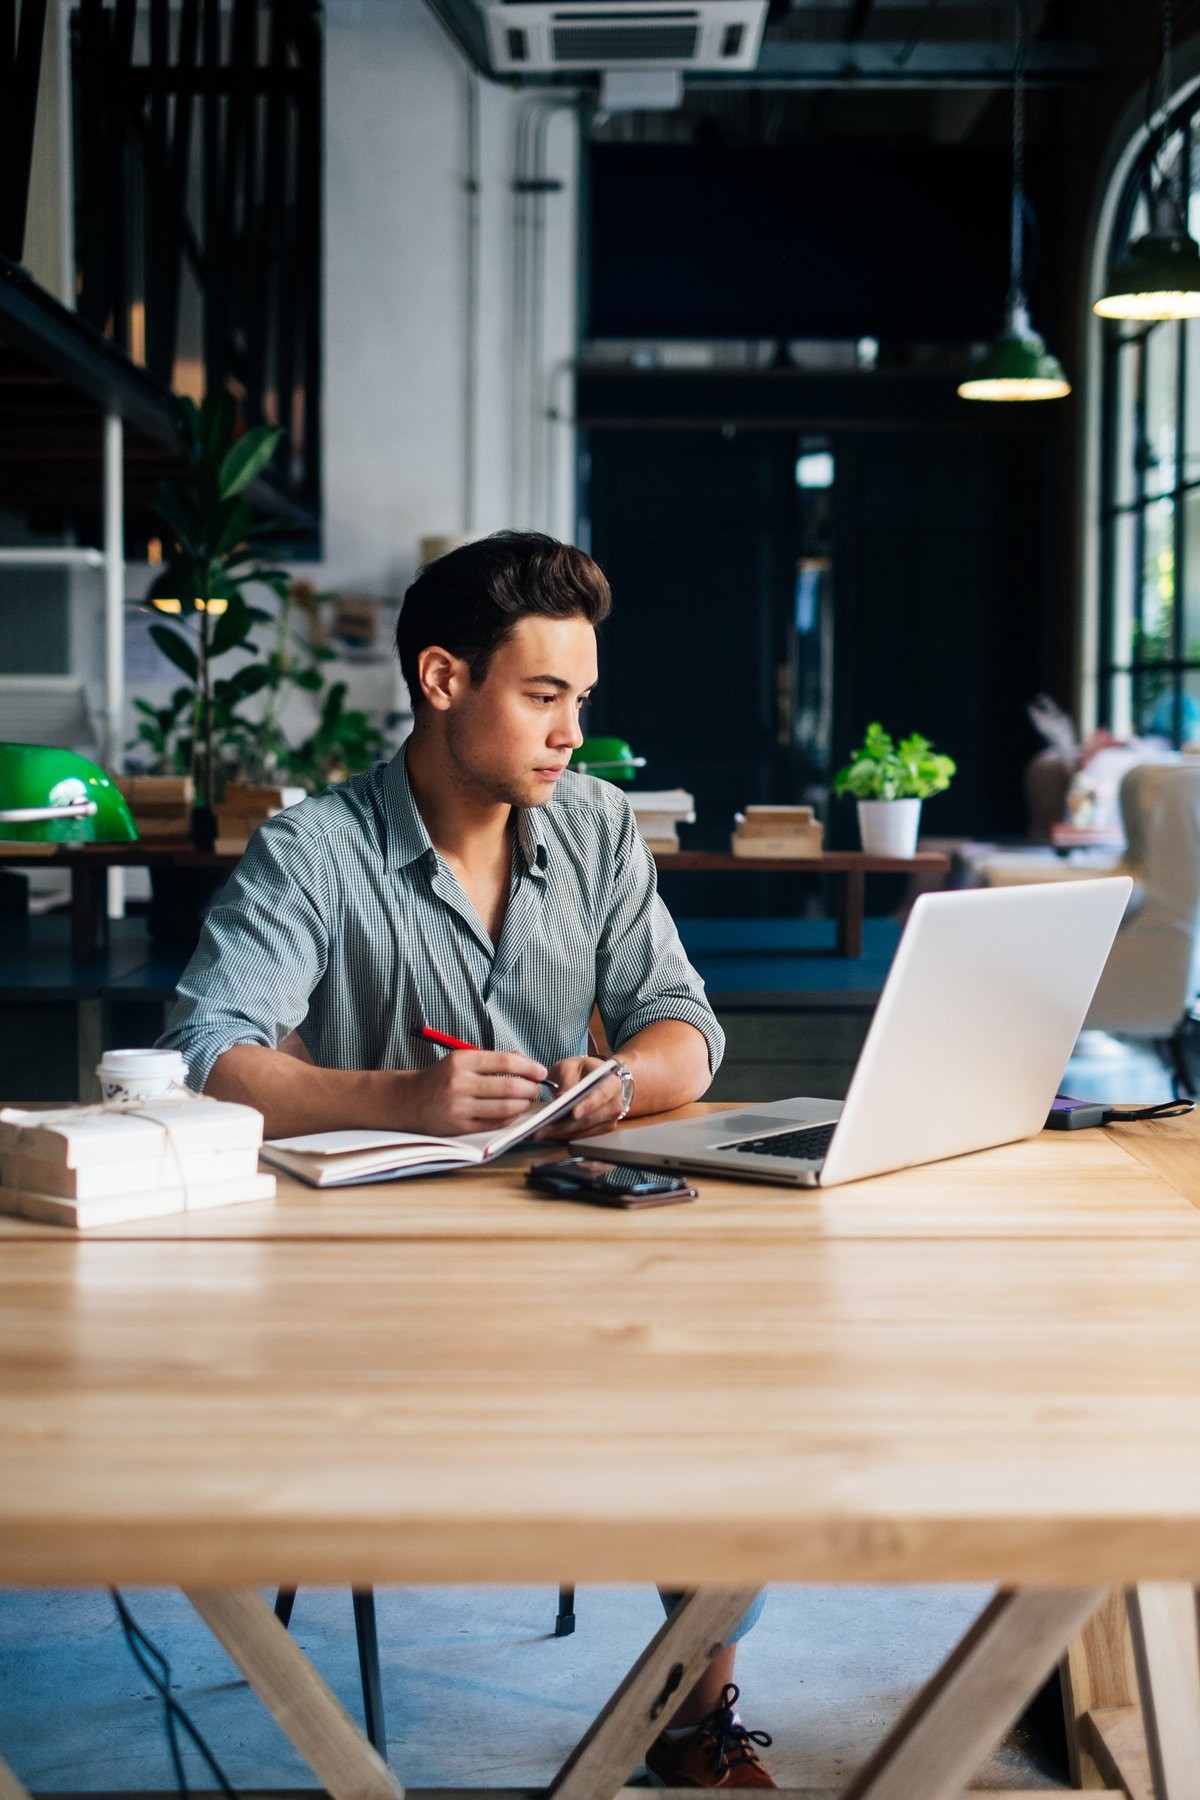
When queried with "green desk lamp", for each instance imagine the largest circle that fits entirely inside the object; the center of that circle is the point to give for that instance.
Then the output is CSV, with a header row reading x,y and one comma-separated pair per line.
x,y
609,757
50,796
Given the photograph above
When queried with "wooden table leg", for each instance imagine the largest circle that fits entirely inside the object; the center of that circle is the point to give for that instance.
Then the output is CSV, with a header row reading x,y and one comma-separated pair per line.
x,y
961,1714
1162,1618
294,1694
669,1666
1099,1677
89,908
850,913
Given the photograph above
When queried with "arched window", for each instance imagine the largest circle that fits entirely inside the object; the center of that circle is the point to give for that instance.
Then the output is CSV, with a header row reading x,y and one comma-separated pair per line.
x,y
1148,637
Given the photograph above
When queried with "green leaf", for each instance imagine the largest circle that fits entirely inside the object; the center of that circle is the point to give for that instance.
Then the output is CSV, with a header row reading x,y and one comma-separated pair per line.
x,y
187,425
247,458
881,769
249,680
218,416
232,627
310,679
181,515
230,523
176,649
331,712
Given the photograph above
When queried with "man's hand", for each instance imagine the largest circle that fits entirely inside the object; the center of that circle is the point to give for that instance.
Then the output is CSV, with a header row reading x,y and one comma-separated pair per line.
x,y
598,1108
469,1090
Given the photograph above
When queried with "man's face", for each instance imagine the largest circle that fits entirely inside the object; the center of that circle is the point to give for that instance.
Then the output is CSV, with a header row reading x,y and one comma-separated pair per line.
x,y
511,737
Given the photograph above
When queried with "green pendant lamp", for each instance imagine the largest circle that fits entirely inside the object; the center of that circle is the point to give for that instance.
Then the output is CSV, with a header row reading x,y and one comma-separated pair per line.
x,y
1017,364
51,796
1158,276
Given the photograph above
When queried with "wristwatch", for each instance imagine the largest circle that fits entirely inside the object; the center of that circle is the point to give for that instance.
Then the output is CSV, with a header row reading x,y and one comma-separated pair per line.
x,y
626,1079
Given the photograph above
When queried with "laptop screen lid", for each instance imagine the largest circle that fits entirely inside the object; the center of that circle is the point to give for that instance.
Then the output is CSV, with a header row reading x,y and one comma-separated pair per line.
x,y
981,1009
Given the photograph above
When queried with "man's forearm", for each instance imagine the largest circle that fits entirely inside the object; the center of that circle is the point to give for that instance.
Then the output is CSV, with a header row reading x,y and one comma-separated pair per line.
x,y
295,1096
669,1065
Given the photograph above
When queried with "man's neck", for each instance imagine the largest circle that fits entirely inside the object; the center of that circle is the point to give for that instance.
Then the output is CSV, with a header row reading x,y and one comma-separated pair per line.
x,y
466,826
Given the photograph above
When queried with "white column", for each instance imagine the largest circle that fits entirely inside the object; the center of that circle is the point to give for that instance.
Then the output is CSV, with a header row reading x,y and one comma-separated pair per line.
x,y
114,624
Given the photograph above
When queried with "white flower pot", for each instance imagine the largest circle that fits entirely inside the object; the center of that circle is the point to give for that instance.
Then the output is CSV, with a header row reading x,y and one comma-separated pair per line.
x,y
889,827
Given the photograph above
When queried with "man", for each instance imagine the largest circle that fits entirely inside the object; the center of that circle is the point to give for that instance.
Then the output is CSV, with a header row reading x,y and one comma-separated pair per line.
x,y
474,885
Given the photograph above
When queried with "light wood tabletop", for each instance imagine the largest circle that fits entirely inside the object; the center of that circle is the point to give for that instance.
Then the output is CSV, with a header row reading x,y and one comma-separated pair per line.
x,y
984,1369
988,1369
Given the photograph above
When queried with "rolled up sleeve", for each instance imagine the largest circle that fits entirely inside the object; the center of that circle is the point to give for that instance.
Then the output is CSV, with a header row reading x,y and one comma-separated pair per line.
x,y
642,971
263,950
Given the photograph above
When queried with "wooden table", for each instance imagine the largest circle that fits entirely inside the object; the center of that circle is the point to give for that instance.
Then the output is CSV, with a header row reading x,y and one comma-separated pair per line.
x,y
850,866
89,863
984,1370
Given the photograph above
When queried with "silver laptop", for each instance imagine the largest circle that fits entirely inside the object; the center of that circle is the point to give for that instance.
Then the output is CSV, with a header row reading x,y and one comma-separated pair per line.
x,y
967,1047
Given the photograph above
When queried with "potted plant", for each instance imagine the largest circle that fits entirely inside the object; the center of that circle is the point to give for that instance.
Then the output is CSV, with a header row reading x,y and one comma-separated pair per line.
x,y
889,780
218,728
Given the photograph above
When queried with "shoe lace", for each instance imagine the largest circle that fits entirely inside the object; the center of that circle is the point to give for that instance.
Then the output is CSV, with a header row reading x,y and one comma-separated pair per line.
x,y
727,1740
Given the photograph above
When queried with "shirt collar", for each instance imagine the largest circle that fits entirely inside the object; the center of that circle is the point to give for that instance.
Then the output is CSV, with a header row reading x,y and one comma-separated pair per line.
x,y
408,840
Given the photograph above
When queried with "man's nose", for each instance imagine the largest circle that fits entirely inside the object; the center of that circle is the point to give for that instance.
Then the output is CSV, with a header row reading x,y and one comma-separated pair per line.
x,y
569,730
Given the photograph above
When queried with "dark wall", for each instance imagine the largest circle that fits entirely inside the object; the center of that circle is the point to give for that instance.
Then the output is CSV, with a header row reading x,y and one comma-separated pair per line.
x,y
824,240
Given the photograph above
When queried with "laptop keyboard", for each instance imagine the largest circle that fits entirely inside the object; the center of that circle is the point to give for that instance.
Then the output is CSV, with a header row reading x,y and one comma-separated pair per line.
x,y
809,1143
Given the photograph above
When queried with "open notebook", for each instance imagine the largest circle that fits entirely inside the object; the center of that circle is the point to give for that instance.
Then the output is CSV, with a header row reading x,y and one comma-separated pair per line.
x,y
339,1158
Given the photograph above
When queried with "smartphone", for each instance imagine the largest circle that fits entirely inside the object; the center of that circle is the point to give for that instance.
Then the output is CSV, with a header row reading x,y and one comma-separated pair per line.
x,y
607,1184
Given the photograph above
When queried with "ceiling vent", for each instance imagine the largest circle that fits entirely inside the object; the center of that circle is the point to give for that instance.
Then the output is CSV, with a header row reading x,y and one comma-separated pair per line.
x,y
625,34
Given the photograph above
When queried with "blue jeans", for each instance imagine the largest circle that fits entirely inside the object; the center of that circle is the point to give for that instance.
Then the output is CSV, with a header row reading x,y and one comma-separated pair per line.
x,y
671,1597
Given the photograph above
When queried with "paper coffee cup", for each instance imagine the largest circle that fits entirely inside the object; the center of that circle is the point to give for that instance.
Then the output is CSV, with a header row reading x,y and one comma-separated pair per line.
x,y
140,1074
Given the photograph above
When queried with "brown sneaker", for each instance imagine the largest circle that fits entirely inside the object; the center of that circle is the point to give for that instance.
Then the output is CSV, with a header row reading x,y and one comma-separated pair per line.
x,y
719,1753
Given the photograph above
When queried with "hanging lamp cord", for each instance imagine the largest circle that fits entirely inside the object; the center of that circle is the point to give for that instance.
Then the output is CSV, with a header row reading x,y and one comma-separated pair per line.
x,y
1016,282
1159,179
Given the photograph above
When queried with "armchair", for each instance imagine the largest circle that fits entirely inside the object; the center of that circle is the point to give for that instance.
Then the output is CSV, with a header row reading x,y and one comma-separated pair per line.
x,y
1152,973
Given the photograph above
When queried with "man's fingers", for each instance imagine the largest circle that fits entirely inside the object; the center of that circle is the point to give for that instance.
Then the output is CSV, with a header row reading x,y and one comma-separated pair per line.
x,y
513,1088
508,1062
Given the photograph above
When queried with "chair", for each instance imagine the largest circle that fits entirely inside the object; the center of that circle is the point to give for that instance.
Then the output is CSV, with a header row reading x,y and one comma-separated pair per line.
x,y
1151,976
368,1657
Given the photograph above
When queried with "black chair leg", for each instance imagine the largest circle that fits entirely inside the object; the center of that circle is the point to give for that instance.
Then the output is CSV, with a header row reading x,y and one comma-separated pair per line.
x,y
368,1667
285,1599
1183,1082
564,1624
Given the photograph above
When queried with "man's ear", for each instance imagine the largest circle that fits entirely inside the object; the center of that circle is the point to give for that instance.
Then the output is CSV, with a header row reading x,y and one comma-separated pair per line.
x,y
441,675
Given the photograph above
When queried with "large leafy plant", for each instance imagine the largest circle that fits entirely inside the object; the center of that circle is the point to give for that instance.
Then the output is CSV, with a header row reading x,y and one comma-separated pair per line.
x,y
215,557
881,769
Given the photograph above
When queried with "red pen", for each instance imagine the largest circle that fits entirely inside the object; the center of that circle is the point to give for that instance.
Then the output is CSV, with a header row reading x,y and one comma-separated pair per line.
x,y
443,1038
452,1043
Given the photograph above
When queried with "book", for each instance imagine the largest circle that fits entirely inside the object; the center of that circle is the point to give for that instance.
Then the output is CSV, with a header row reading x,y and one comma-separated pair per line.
x,y
339,1158
122,1208
140,1175
663,843
667,803
782,845
777,832
770,821
71,1136
258,802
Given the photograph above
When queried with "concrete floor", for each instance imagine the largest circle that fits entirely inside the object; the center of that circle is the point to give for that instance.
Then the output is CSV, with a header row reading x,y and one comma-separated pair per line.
x,y
475,1688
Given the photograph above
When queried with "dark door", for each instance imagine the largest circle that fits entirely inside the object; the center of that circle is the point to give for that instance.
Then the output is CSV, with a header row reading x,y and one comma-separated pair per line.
x,y
695,531
945,605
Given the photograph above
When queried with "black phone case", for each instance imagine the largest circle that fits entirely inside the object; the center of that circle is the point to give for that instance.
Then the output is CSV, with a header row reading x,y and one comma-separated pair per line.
x,y
544,1181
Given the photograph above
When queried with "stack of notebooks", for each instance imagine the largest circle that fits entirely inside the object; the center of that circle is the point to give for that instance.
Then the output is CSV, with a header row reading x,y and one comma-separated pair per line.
x,y
777,831
79,1167
659,815
244,809
161,806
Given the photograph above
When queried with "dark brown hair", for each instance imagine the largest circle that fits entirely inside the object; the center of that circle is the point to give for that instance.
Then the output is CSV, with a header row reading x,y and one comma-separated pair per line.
x,y
471,599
